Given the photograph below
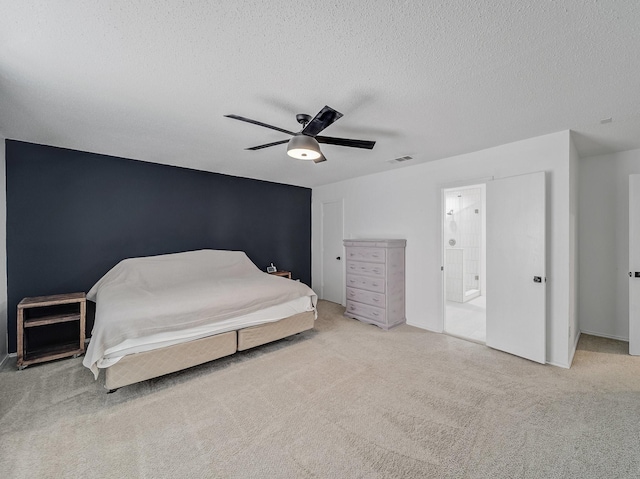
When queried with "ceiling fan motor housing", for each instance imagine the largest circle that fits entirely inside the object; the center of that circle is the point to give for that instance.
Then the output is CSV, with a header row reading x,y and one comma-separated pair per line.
x,y
303,119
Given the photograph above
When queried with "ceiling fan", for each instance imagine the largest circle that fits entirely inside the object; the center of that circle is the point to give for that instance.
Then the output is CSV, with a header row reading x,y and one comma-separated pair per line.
x,y
305,144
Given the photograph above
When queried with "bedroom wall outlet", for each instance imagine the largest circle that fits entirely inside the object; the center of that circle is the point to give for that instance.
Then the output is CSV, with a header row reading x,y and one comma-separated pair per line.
x,y
271,269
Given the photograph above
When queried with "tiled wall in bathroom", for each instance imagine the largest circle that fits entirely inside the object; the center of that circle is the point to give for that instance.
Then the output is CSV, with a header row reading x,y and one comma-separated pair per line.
x,y
470,234
454,277
463,230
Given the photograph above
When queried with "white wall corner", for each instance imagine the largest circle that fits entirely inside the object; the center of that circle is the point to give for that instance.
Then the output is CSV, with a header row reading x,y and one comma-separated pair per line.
x,y
574,246
573,349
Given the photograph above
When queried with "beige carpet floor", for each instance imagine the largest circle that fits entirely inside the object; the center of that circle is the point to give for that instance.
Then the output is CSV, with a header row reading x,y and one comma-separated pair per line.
x,y
346,400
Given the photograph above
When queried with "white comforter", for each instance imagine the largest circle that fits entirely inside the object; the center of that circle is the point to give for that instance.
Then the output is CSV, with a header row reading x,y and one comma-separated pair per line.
x,y
142,297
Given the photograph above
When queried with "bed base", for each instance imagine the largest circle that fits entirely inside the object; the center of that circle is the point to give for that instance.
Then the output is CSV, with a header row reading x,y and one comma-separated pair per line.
x,y
152,364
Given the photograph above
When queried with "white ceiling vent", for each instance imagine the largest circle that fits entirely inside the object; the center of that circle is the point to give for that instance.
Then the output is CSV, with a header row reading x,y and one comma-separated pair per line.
x,y
401,159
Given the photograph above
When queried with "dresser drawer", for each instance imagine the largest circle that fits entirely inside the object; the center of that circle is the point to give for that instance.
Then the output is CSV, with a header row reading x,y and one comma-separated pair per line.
x,y
367,297
367,269
359,310
362,282
373,255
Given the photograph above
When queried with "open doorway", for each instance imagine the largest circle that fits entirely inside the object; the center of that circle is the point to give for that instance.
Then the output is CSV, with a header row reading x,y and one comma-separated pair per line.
x,y
464,253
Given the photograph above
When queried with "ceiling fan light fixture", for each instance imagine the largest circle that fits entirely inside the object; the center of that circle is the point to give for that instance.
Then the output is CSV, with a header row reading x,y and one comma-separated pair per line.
x,y
303,147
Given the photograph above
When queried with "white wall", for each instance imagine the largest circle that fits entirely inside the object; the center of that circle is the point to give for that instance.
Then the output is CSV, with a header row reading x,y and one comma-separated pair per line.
x,y
3,253
574,327
406,203
603,229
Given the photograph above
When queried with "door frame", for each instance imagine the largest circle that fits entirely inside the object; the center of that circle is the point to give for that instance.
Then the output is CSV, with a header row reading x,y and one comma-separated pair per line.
x,y
634,265
343,301
448,186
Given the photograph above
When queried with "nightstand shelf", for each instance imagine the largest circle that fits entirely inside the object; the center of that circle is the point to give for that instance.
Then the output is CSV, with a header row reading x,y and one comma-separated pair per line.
x,y
55,319
46,313
284,274
51,353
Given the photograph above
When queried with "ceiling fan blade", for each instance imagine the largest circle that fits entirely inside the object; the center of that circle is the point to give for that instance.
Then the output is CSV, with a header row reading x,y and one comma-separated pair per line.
x,y
321,159
323,119
330,140
260,147
259,123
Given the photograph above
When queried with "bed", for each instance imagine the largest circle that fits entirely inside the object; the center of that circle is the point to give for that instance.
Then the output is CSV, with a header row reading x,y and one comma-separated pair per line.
x,y
160,314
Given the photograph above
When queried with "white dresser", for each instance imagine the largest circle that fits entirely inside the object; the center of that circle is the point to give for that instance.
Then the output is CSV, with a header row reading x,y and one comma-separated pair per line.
x,y
375,281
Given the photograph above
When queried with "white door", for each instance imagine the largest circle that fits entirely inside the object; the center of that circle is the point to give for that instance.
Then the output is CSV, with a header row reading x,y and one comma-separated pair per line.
x,y
634,265
516,297
332,252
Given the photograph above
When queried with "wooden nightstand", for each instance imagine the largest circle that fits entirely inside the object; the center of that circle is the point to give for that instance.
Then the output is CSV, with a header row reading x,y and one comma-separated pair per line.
x,y
284,274
46,312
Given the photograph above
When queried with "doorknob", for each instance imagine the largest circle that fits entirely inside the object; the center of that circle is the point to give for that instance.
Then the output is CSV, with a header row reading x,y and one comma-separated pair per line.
x,y
537,279
338,258
636,274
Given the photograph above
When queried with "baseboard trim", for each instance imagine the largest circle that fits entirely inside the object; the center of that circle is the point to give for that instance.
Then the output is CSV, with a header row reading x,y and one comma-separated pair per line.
x,y
421,326
602,335
465,338
575,347
9,355
558,365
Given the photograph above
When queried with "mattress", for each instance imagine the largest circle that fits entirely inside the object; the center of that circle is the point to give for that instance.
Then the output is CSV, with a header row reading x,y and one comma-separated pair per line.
x,y
159,301
162,340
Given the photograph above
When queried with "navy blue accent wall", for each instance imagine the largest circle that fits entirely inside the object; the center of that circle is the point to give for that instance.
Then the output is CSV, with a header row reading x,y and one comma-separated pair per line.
x,y
73,215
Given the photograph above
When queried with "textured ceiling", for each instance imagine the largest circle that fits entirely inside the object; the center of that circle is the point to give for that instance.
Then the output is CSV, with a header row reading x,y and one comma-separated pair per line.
x,y
151,80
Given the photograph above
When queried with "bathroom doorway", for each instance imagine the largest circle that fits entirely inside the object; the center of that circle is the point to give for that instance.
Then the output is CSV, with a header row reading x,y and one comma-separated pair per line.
x,y
464,254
